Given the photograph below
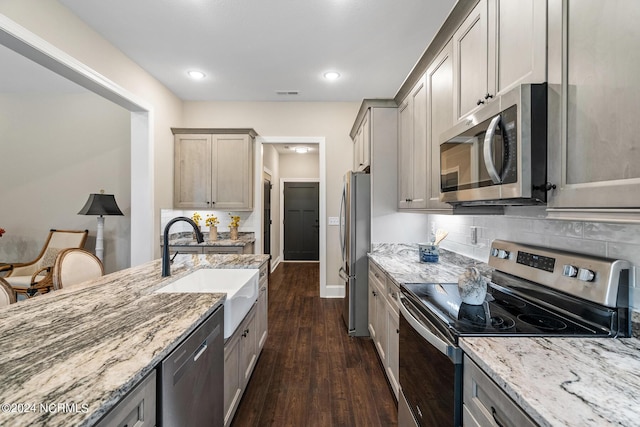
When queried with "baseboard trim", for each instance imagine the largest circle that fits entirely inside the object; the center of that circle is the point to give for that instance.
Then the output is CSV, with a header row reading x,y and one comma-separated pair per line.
x,y
274,264
333,291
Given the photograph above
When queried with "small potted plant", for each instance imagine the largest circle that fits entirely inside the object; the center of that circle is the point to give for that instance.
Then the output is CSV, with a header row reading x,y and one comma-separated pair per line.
x,y
212,222
233,226
196,217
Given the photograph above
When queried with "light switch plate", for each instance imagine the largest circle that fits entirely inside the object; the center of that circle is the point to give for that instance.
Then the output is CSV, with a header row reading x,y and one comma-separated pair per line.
x,y
334,220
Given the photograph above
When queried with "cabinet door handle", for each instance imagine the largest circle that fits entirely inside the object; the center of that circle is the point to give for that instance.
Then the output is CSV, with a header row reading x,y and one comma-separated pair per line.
x,y
496,418
488,96
480,102
374,293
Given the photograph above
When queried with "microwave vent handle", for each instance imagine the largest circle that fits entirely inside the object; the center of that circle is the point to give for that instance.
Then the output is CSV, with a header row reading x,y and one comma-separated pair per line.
x,y
488,150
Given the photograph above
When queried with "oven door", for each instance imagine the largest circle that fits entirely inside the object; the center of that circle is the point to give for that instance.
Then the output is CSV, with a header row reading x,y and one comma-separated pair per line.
x,y
430,372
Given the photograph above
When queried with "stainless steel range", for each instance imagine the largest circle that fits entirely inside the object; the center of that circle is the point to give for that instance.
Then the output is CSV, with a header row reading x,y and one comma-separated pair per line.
x,y
533,291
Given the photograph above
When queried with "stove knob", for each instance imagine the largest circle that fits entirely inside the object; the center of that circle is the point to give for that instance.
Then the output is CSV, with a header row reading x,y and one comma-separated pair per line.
x,y
569,270
586,275
503,254
494,252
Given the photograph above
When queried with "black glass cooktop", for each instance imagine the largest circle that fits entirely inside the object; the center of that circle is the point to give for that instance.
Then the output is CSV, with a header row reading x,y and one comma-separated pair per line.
x,y
501,313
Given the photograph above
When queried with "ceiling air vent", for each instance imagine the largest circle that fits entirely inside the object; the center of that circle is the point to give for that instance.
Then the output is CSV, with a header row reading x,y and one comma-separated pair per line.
x,y
288,92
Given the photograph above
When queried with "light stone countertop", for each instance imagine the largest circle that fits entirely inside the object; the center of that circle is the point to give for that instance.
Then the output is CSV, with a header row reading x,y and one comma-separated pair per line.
x,y
401,262
186,239
90,346
565,382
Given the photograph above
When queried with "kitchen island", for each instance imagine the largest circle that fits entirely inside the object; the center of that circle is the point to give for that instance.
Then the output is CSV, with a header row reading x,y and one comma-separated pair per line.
x,y
69,356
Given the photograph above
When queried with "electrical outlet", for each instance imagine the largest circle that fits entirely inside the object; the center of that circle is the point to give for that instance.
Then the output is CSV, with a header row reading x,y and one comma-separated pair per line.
x,y
474,235
334,220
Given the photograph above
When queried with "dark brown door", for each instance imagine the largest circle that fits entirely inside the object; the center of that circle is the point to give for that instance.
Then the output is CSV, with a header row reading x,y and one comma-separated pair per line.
x,y
301,225
266,238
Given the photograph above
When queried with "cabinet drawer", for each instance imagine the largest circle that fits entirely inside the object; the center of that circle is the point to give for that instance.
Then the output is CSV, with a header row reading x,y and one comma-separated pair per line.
x,y
378,276
137,409
487,404
393,292
185,249
222,249
263,274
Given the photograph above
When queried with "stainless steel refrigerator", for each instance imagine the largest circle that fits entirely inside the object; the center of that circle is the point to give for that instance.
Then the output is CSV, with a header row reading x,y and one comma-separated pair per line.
x,y
355,242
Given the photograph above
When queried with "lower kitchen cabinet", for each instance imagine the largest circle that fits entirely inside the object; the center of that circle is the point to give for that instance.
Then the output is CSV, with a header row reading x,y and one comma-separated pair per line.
x,y
262,320
242,349
384,322
138,408
485,404
393,335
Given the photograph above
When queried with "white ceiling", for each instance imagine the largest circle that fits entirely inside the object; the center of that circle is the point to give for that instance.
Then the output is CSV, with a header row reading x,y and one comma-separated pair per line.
x,y
249,49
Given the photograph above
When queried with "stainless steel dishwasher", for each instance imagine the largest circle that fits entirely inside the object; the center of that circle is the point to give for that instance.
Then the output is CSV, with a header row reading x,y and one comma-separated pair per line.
x,y
192,378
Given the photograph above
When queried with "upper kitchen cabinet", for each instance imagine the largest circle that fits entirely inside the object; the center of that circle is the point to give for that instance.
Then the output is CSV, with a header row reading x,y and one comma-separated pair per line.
x,y
362,144
594,156
499,45
440,117
213,168
412,148
375,125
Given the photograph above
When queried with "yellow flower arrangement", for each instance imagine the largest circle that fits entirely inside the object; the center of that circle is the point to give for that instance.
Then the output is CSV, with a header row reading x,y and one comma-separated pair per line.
x,y
211,221
196,218
235,221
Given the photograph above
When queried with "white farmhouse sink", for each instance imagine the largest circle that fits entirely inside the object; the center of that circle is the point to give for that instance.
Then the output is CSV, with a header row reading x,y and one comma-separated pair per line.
x,y
240,285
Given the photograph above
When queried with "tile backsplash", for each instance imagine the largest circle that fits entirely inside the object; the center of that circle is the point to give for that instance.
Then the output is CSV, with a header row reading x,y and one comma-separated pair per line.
x,y
249,221
529,225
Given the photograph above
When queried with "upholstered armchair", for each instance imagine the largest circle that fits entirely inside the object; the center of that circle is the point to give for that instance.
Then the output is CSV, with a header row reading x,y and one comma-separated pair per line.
x,y
35,276
74,267
7,295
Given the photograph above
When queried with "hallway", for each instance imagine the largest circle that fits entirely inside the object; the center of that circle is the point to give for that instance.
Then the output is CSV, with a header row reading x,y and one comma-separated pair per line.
x,y
310,372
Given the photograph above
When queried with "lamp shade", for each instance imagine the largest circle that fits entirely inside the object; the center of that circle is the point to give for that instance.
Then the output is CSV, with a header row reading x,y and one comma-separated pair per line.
x,y
101,204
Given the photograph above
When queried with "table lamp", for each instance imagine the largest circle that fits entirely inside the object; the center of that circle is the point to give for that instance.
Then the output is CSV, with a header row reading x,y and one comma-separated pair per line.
x,y
100,204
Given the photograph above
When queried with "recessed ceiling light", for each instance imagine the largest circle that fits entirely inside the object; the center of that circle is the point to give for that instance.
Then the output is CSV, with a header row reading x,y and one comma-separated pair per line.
x,y
331,75
302,150
196,75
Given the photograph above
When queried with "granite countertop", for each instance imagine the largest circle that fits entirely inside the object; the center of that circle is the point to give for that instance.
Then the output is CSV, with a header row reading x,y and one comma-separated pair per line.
x,y
186,239
577,382
401,262
557,381
90,346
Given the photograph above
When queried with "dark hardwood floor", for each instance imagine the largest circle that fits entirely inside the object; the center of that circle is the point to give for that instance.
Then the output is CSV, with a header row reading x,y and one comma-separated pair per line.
x,y
310,372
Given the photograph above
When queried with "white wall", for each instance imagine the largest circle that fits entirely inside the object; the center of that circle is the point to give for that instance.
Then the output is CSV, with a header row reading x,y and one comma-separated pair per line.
x,y
331,120
56,150
299,165
529,225
56,24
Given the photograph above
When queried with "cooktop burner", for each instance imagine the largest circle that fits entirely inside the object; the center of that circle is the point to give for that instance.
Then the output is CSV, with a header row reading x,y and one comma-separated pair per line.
x,y
500,314
545,323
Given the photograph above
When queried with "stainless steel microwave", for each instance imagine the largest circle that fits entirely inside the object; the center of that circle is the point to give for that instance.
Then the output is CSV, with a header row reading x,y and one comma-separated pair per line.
x,y
498,156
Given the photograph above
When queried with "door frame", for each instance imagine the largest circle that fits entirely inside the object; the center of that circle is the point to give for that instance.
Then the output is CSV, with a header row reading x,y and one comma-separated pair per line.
x,y
282,182
267,175
335,291
24,42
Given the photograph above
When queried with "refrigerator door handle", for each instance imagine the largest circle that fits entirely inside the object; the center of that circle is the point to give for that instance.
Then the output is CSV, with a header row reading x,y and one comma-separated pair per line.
x,y
342,222
343,274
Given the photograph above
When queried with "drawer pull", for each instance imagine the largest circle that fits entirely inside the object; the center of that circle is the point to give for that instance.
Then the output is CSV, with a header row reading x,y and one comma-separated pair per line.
x,y
496,418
